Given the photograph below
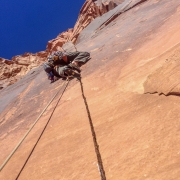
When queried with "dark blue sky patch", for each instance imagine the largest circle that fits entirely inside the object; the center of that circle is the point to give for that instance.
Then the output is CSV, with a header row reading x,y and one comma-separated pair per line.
x,y
27,26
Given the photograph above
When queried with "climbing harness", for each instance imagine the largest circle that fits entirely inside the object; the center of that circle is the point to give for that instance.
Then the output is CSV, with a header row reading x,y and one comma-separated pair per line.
x,y
15,149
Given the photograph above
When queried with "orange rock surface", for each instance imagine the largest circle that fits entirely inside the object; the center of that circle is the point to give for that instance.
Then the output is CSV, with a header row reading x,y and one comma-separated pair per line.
x,y
13,70
91,10
24,63
57,43
132,90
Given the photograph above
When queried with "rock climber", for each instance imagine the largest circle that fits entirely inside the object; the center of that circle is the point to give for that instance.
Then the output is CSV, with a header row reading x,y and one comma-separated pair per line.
x,y
63,64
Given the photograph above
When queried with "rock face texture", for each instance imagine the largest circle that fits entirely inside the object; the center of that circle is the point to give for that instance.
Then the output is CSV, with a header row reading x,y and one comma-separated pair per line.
x,y
13,70
23,63
165,80
91,10
132,91
57,43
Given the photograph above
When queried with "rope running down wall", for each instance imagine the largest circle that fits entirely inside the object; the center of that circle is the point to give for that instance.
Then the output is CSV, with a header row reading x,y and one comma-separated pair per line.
x,y
15,149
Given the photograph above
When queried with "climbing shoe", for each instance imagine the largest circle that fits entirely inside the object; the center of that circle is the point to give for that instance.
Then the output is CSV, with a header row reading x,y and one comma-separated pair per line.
x,y
75,67
72,73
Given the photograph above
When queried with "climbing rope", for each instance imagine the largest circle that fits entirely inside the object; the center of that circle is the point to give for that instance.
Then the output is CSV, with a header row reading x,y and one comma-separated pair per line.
x,y
15,149
96,146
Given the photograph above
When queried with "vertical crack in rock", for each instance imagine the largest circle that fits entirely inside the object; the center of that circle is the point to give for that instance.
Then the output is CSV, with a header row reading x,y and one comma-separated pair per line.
x,y
96,146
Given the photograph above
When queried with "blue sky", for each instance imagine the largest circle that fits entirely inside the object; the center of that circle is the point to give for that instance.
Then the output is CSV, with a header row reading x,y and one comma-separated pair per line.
x,y
27,25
